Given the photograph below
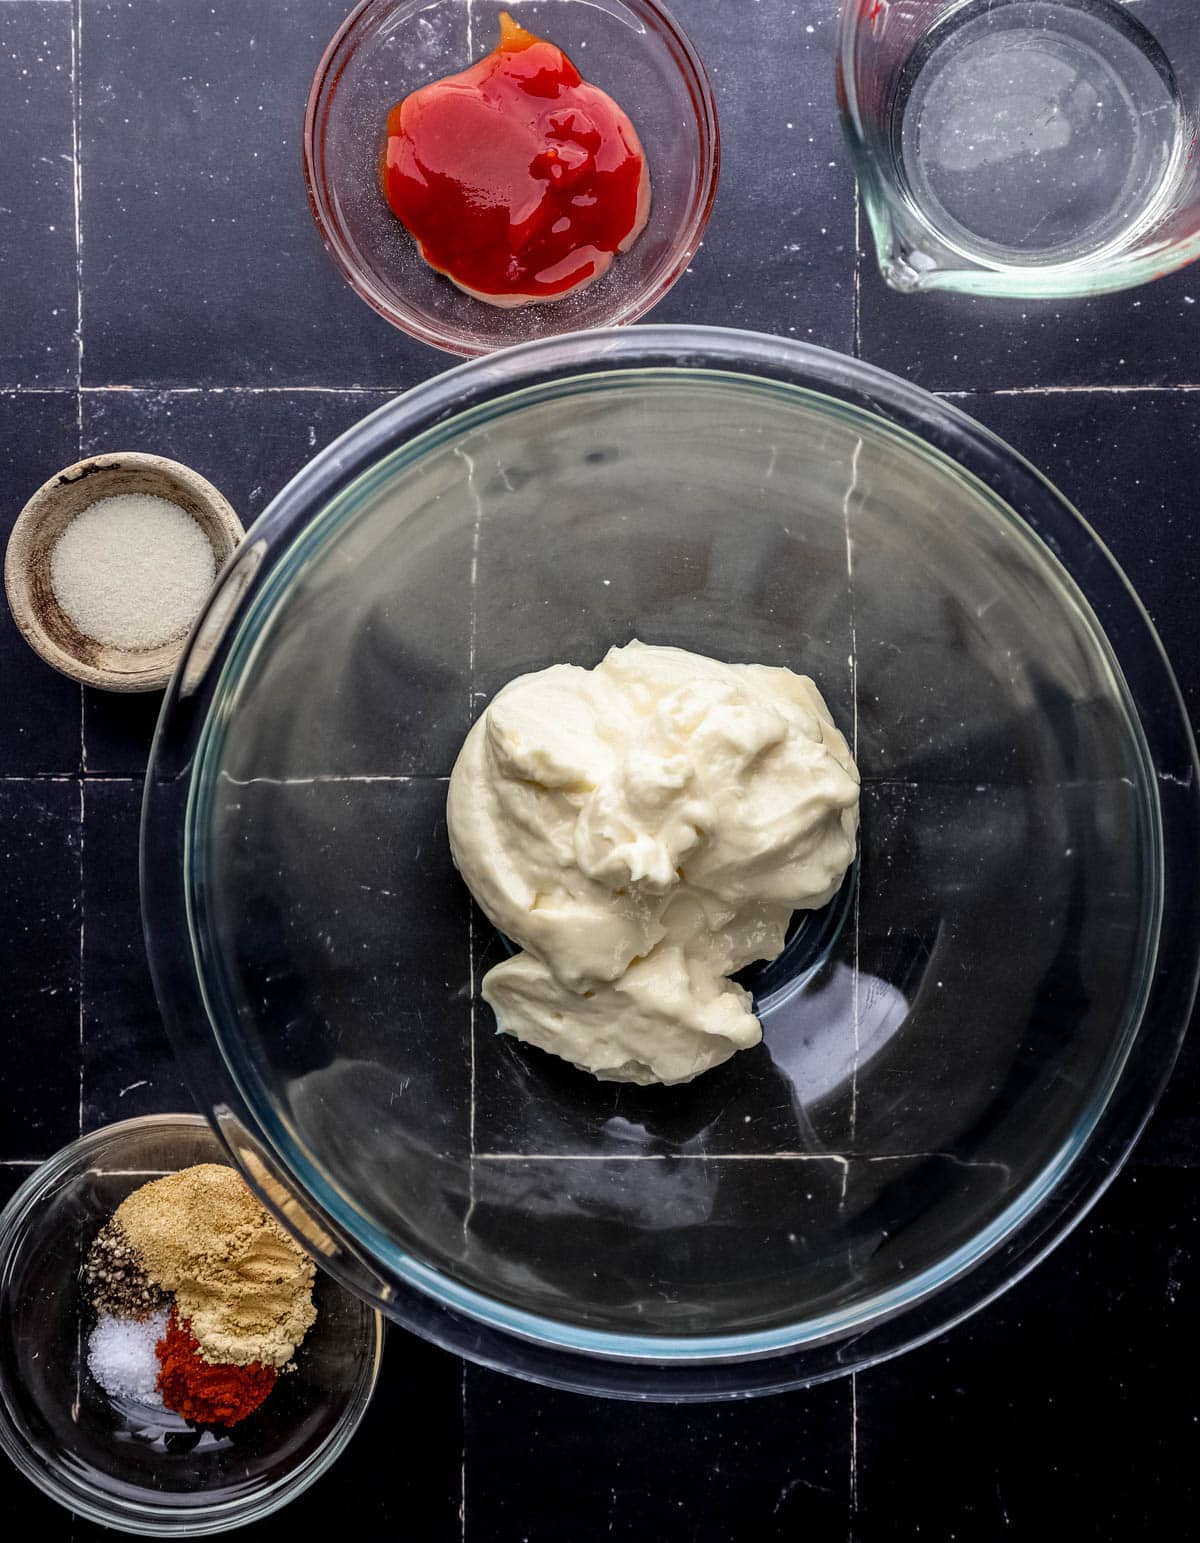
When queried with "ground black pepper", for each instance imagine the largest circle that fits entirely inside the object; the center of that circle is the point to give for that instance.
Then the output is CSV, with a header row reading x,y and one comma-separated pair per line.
x,y
114,1279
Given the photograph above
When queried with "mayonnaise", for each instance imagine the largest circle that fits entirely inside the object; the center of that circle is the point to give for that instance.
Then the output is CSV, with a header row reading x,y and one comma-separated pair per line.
x,y
643,830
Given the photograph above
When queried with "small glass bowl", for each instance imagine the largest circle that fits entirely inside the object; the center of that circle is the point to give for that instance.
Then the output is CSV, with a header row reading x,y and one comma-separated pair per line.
x,y
121,1464
386,49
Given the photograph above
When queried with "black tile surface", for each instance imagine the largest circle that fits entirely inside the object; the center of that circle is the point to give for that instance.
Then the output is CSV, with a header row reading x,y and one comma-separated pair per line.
x,y
782,150
1067,1398
248,444
39,1007
1128,461
37,197
39,726
1147,336
1025,1413
128,1067
191,118
537,1470
403,1471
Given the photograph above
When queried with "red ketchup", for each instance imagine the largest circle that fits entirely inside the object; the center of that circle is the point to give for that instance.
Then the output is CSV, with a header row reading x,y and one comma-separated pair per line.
x,y
517,179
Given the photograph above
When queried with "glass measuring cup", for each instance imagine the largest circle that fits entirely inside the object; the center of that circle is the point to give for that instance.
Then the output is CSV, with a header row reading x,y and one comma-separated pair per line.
x,y
1024,147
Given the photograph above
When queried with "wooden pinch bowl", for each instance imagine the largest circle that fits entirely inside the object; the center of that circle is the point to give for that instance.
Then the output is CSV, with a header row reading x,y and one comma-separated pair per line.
x,y
42,621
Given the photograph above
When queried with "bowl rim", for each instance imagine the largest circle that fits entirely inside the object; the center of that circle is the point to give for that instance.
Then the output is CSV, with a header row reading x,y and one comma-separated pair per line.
x,y
618,1365
140,1517
687,240
41,506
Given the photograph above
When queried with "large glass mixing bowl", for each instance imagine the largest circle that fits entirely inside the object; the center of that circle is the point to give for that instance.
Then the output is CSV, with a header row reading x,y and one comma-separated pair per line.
x,y
957,1055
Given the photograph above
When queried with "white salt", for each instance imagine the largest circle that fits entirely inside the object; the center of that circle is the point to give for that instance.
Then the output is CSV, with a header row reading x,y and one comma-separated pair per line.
x,y
121,1356
132,571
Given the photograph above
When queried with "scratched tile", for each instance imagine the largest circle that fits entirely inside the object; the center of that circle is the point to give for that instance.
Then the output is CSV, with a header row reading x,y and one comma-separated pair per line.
x,y
543,1465
37,198
1138,337
1130,462
129,1067
202,264
778,253
39,922
39,727
1027,1409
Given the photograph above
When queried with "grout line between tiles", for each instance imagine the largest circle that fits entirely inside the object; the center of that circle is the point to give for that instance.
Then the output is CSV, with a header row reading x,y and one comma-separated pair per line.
x,y
323,777
843,1159
77,204
853,1453
44,777
244,390
471,989
135,1173
317,779
668,1157
951,782
857,321
472,1157
472,636
471,1153
462,1472
15,388
1085,390
854,960
86,776
1182,388
77,191
82,925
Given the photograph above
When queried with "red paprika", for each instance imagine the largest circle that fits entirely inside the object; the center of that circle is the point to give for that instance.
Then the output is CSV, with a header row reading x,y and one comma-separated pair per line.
x,y
201,1391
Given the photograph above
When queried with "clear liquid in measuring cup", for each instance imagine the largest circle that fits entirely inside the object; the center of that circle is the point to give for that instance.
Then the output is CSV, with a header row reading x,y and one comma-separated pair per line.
x,y
1038,132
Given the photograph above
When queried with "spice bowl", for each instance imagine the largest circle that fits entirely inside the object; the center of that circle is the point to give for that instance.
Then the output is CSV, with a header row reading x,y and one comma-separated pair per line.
x,y
27,569
385,49
119,1463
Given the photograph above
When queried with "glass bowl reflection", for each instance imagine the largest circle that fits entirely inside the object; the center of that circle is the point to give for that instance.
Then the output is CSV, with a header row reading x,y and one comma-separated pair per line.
x,y
951,1068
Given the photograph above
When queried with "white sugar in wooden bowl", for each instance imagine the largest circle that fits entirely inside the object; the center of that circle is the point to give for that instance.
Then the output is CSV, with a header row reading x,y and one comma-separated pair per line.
x,y
132,571
106,580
